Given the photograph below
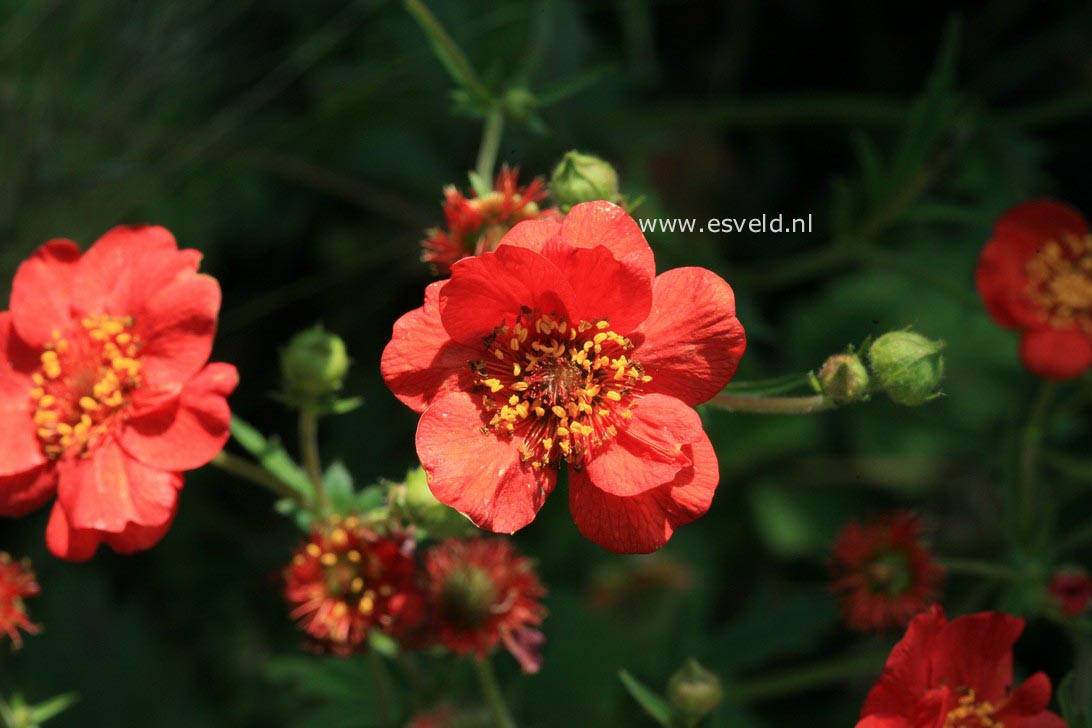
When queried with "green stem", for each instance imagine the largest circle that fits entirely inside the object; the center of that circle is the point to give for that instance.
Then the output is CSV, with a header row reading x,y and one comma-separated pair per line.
x,y
772,385
309,453
801,679
491,138
256,474
771,405
1030,441
487,679
383,689
973,567
447,50
1076,540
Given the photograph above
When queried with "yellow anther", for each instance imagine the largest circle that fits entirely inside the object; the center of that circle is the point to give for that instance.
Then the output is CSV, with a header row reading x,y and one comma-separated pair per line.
x,y
314,550
328,559
354,556
613,395
339,536
559,411
88,403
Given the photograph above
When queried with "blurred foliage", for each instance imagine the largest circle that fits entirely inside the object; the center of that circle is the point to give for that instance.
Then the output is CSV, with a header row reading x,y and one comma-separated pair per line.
x,y
303,146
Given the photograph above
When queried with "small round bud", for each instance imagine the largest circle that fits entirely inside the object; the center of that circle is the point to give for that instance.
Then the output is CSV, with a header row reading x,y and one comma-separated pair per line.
x,y
520,103
908,366
313,364
694,692
583,178
413,503
843,378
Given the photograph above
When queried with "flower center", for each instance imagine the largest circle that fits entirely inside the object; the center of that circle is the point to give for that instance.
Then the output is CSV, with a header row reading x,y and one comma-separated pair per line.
x,y
972,714
345,569
889,573
565,389
1060,281
84,382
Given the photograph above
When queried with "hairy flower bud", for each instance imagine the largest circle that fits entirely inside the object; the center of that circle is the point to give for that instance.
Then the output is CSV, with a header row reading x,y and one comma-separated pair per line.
x,y
908,366
694,692
313,365
583,178
413,503
843,378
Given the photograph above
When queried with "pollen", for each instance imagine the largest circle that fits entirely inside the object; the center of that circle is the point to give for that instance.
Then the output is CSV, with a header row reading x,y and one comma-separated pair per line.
x,y
84,382
1060,282
972,714
563,388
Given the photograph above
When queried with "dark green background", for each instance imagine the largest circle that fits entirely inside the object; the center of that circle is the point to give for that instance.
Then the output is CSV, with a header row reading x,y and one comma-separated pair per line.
x,y
302,146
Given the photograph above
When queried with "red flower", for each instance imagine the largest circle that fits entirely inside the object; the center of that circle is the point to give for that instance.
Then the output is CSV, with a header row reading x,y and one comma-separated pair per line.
x,y
16,584
105,396
476,224
484,593
957,675
882,573
560,347
346,580
1072,590
1035,276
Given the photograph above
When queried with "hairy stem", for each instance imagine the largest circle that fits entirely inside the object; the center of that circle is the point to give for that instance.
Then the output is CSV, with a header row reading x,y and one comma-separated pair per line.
x,y
383,689
241,468
487,679
309,452
772,405
491,138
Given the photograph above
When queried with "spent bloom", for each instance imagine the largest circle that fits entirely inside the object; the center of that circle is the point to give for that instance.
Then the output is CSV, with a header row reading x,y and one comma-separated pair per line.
x,y
1035,276
347,579
482,593
563,348
1071,590
17,583
476,224
957,674
105,394
882,573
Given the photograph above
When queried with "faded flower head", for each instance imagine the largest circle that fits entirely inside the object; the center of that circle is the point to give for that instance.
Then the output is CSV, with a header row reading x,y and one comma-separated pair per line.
x,y
17,583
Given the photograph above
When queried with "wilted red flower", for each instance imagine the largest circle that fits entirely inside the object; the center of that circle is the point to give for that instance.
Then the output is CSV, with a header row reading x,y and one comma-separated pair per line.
x,y
483,593
16,584
1072,590
347,579
105,396
882,573
957,674
476,224
1035,276
564,347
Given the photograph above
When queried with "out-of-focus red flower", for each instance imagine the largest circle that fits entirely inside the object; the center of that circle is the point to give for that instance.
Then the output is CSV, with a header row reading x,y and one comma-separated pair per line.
x,y
563,347
1072,590
882,572
347,579
16,584
483,593
476,224
1035,276
957,674
105,396
446,715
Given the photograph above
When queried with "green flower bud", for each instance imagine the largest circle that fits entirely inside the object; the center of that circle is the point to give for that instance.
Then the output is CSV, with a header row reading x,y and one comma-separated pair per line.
x,y
413,503
313,365
694,692
843,378
908,366
583,178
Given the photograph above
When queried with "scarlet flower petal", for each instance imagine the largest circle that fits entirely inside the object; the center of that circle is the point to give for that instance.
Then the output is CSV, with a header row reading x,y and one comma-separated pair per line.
x,y
603,288
643,523
187,430
20,494
649,451
906,676
590,224
1002,281
886,721
1032,697
21,451
109,490
988,666
177,326
692,341
532,234
1042,220
489,289
126,266
421,362
15,355
478,473
42,291
1056,354
67,543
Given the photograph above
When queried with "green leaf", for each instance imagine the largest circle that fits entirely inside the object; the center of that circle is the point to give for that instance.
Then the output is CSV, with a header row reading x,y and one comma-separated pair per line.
x,y
338,483
53,707
271,455
653,703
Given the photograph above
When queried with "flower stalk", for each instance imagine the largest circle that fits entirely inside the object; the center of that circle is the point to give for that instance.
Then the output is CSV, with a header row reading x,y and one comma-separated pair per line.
x,y
494,698
309,452
763,405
